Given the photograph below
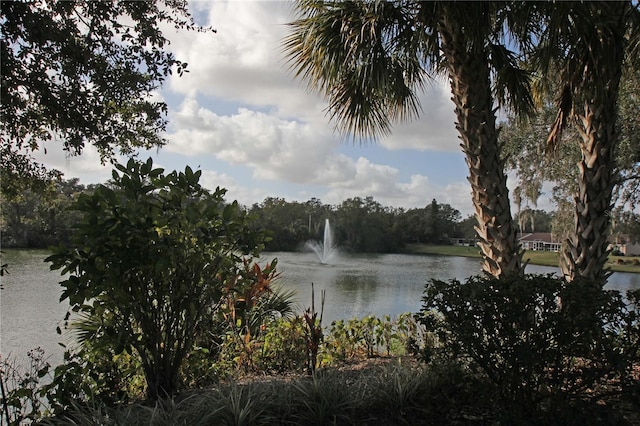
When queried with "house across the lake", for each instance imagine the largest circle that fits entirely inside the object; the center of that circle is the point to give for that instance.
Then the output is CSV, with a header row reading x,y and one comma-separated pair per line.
x,y
470,242
539,241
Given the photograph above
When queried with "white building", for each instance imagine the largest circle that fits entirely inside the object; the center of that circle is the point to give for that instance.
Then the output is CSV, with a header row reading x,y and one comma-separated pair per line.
x,y
539,241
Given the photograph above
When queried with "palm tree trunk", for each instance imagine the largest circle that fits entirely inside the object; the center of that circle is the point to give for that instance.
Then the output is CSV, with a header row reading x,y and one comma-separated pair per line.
x,y
470,85
586,251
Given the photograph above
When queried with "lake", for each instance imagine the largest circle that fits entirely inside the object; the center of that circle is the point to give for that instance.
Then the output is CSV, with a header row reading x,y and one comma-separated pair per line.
x,y
356,285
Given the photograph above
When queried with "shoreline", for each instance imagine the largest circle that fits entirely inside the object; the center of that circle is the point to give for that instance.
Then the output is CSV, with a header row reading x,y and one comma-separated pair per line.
x,y
631,263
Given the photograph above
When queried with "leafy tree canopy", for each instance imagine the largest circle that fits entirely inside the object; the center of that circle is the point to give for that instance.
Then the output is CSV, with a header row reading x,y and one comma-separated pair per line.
x,y
82,72
524,140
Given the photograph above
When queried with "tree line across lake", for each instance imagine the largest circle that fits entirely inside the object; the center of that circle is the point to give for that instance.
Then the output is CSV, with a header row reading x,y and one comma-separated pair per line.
x,y
39,219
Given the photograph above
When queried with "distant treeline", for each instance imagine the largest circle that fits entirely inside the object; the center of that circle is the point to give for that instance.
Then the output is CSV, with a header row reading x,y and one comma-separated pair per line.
x,y
42,218
358,224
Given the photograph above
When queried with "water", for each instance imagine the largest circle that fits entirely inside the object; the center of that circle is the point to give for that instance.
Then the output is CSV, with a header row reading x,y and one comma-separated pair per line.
x,y
356,285
29,305
379,284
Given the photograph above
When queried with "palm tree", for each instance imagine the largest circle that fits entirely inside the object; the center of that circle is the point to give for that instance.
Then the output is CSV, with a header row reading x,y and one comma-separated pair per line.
x,y
588,42
371,58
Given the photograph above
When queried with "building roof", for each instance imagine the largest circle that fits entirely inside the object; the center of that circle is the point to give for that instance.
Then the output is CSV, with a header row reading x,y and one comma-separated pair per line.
x,y
537,236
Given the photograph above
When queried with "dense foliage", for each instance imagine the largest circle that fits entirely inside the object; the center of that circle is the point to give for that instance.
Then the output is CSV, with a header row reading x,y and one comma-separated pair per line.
x,y
539,340
523,350
42,218
359,224
151,258
39,219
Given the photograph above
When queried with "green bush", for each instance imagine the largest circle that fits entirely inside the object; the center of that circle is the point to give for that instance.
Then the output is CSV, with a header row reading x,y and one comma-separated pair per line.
x,y
538,339
154,254
284,347
95,376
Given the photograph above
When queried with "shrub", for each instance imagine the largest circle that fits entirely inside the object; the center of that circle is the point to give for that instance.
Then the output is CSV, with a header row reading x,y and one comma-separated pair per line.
x,y
538,339
153,256
91,375
284,347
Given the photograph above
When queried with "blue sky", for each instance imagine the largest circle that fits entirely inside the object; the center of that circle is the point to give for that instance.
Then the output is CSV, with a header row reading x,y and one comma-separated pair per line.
x,y
241,117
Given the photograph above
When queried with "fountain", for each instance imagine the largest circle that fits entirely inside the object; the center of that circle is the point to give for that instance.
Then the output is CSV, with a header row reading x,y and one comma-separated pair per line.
x,y
325,250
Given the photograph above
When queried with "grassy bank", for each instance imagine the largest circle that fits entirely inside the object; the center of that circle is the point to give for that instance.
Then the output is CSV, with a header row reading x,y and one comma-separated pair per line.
x,y
616,263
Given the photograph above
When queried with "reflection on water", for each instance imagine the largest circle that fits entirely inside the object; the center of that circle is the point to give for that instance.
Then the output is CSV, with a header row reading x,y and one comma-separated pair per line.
x,y
357,285
367,284
388,284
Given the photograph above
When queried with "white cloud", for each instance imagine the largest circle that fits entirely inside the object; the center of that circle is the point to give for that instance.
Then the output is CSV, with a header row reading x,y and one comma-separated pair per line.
x,y
434,129
278,150
275,149
243,63
235,191
383,184
87,166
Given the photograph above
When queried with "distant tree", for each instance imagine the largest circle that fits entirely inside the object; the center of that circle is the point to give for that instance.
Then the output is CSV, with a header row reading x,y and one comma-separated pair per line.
x,y
364,225
433,224
349,226
625,226
534,220
286,222
39,218
316,213
467,226
82,72
150,259
447,218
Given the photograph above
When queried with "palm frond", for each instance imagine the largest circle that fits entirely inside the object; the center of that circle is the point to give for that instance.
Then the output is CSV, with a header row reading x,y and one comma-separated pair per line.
x,y
86,328
364,57
512,83
564,106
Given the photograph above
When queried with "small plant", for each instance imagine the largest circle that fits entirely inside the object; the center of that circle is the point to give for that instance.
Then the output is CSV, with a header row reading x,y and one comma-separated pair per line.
x,y
249,303
385,334
96,376
371,337
285,346
313,330
322,400
240,407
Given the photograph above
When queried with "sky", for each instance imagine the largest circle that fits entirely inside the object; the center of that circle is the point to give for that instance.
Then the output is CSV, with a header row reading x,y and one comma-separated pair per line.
x,y
241,117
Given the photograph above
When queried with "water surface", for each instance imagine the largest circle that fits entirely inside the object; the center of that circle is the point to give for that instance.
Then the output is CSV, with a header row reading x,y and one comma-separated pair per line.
x,y
385,284
355,285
